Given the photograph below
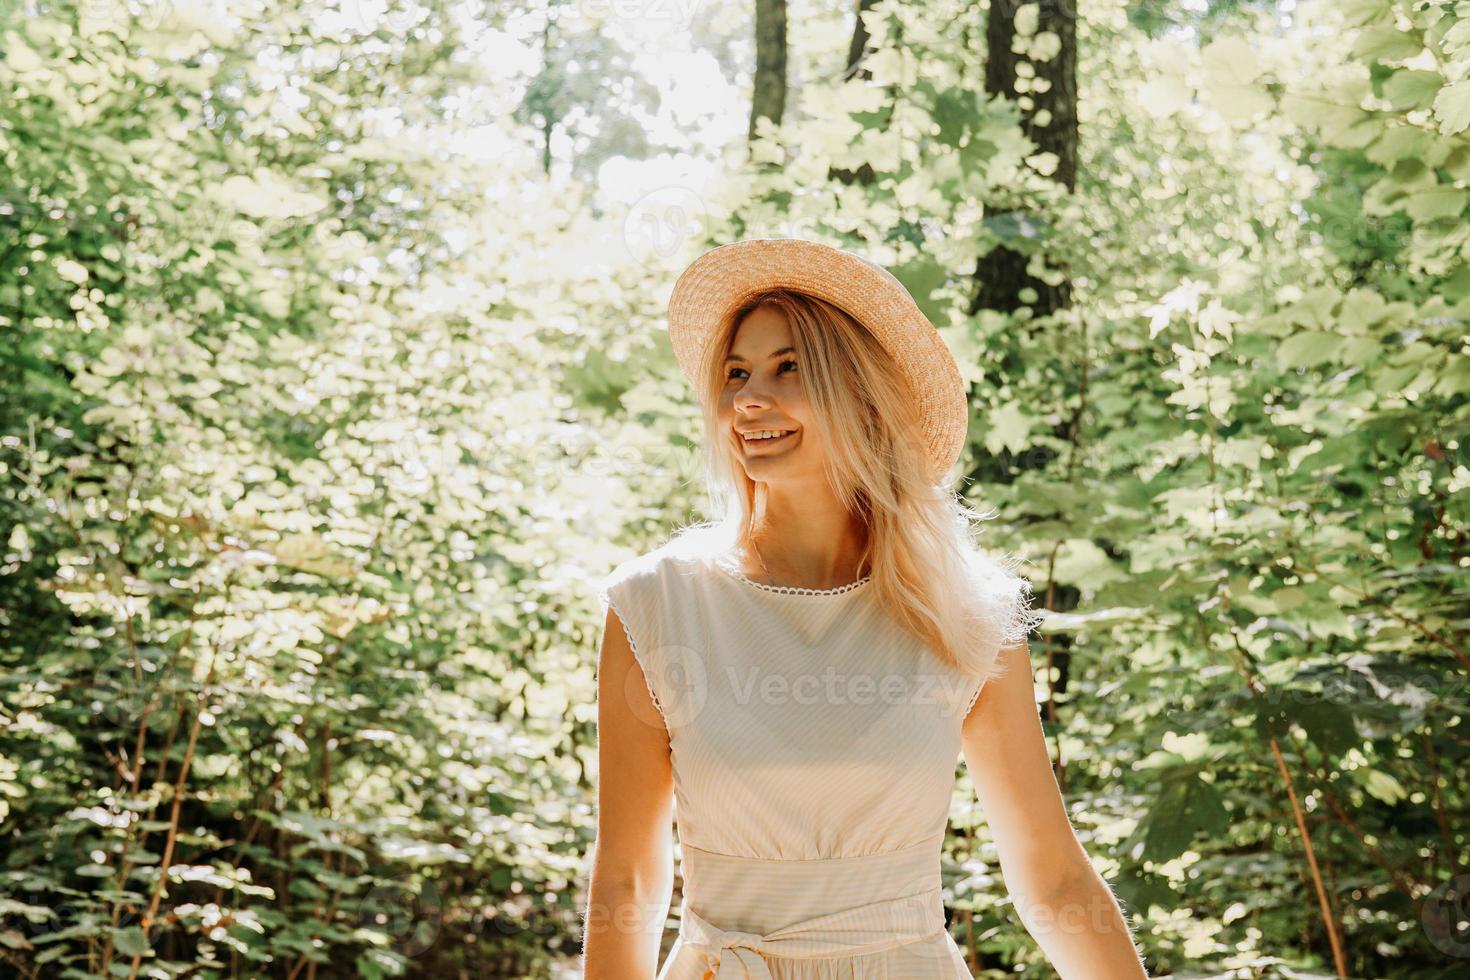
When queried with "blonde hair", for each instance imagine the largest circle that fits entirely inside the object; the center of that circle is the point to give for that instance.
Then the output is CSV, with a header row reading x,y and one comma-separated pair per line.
x,y
920,543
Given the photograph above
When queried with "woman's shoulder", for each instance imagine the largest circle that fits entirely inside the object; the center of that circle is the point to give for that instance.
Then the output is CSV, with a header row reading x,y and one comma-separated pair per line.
x,y
668,562
1004,602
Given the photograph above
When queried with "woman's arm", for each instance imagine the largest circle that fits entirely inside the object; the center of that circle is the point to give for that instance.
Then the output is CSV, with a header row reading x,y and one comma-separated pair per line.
x,y
1062,900
633,858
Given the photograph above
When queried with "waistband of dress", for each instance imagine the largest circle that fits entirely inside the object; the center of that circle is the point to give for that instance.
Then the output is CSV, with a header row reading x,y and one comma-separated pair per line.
x,y
763,894
927,848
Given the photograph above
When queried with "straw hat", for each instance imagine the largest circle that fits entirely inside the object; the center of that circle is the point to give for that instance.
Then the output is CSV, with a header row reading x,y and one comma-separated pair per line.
x,y
723,278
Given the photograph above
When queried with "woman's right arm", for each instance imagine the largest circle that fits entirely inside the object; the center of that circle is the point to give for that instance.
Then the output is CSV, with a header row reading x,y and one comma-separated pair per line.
x,y
633,856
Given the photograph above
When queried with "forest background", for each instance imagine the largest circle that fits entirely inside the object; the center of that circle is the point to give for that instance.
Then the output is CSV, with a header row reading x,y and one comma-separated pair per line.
x,y
335,375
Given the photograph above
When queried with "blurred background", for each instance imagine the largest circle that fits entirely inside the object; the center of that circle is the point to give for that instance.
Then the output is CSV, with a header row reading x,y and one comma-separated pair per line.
x,y
335,374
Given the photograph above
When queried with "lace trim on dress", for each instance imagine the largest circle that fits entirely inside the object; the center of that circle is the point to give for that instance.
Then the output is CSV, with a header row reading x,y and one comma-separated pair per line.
x,y
643,667
735,572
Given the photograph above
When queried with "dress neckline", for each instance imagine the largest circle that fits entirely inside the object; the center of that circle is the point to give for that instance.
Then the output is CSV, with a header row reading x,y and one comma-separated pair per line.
x,y
728,567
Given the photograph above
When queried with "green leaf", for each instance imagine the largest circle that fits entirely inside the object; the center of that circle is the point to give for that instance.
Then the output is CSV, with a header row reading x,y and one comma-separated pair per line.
x,y
1398,142
1187,806
1391,380
1231,59
1442,202
130,941
953,112
305,888
875,119
976,154
1140,889
1009,427
1308,349
1381,785
1331,119
1330,725
1163,95
1452,107
1457,163
921,277
1356,13
1456,378
502,804
1412,88
1386,43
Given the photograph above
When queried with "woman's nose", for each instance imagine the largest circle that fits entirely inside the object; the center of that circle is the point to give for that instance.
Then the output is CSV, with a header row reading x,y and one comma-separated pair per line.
x,y
752,392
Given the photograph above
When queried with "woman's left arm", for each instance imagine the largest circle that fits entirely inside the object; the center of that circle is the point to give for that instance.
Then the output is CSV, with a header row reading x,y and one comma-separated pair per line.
x,y
1064,903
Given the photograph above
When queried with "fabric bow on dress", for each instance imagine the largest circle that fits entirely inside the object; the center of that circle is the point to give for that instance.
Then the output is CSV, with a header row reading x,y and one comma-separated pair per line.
x,y
732,955
729,954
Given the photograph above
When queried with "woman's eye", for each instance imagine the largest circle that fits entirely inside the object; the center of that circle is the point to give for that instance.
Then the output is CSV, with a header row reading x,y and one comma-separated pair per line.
x,y
778,371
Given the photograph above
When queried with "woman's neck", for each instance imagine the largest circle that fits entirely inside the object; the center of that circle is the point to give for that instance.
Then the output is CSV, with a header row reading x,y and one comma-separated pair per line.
x,y
772,558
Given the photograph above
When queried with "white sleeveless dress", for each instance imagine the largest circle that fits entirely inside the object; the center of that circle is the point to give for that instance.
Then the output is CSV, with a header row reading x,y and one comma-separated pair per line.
x,y
814,748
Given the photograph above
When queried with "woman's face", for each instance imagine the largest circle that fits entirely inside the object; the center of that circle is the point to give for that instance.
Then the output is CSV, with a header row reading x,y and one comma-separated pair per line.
x,y
763,390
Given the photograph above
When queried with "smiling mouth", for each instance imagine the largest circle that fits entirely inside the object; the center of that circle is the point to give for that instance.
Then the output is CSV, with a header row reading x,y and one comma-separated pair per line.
x,y
758,443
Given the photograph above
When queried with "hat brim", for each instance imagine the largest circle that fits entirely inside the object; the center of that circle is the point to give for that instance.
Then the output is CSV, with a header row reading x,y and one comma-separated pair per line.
x,y
723,278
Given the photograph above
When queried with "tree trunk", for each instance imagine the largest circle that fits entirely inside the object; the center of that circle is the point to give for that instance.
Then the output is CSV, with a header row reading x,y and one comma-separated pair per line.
x,y
768,97
548,125
858,49
1049,119
856,54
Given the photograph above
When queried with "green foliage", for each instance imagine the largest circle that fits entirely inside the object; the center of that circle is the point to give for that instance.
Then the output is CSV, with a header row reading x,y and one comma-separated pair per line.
x,y
1243,449
268,668
315,426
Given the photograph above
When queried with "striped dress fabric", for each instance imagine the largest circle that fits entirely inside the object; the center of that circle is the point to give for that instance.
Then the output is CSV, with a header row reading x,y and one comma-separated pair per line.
x,y
814,747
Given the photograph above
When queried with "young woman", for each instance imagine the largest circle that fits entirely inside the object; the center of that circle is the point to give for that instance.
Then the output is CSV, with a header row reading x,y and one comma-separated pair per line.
x,y
797,680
